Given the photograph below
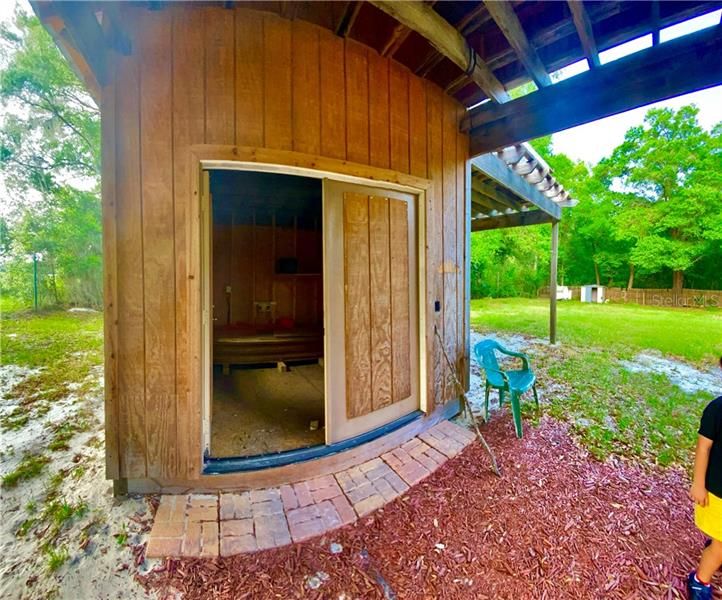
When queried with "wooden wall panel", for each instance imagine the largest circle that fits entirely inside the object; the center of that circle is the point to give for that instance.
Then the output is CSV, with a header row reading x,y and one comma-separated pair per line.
x,y
357,309
434,249
306,89
188,126
399,117
380,301
156,153
399,266
333,95
462,249
378,133
418,129
219,31
247,77
277,90
110,280
450,263
357,103
129,253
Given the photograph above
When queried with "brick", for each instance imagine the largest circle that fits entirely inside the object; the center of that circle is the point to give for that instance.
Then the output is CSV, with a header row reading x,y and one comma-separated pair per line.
x,y
269,494
357,476
378,472
171,508
329,515
396,482
436,456
302,515
237,527
202,513
411,444
203,500
288,497
271,531
209,540
238,545
370,465
192,540
306,529
427,462
368,505
384,488
326,493
235,506
321,482
167,529
269,507
303,494
412,473
344,509
419,449
159,547
344,480
360,493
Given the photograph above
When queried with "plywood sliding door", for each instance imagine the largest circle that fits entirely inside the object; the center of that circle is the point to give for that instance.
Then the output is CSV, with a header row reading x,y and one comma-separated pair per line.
x,y
371,307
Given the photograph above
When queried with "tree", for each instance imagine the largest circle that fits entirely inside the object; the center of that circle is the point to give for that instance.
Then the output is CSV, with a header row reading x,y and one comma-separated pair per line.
x,y
670,170
50,161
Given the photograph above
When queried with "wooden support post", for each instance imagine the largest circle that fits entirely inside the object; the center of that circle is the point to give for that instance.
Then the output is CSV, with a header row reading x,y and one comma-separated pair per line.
x,y
553,284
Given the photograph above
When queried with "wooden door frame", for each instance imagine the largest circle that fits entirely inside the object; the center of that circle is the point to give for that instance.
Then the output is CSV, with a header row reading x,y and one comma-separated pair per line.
x,y
245,158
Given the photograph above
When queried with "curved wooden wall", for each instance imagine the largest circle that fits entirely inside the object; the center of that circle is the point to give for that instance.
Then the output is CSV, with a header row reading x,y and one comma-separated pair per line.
x,y
210,75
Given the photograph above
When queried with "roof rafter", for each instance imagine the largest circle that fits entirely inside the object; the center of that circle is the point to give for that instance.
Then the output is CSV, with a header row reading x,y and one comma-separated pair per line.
x,y
676,67
532,217
505,17
442,35
585,31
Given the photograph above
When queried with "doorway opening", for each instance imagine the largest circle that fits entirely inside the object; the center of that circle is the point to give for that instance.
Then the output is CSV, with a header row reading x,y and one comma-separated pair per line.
x,y
266,293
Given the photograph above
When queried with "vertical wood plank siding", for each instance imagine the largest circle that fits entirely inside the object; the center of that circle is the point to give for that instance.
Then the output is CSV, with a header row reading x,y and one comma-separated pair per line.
x,y
205,74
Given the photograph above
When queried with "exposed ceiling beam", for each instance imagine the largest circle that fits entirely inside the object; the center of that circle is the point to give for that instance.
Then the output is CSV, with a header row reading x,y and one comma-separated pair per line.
x,y
680,66
397,38
495,168
467,25
532,217
87,62
489,189
348,19
447,40
505,17
585,31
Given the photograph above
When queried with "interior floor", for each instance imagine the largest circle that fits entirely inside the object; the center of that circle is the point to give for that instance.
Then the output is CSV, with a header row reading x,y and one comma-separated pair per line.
x,y
264,410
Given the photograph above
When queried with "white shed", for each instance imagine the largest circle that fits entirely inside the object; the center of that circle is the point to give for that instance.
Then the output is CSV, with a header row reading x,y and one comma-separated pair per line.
x,y
592,293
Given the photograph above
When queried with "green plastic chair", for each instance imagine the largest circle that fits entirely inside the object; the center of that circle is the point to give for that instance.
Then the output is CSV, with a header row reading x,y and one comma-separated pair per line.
x,y
515,382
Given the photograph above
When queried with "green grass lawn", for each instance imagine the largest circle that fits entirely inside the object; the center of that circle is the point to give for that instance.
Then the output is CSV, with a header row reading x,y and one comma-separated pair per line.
x,y
692,334
612,411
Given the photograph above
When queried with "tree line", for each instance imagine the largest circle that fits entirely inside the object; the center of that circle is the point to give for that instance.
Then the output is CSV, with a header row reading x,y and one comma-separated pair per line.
x,y
649,216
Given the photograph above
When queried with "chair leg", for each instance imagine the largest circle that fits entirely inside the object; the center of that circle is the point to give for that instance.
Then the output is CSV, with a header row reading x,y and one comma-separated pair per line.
x,y
536,397
501,398
516,412
486,404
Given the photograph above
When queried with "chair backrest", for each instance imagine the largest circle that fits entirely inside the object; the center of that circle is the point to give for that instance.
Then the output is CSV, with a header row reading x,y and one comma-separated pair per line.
x,y
486,357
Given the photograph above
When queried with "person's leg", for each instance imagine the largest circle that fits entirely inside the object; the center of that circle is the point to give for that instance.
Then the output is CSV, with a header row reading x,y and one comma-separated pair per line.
x,y
711,561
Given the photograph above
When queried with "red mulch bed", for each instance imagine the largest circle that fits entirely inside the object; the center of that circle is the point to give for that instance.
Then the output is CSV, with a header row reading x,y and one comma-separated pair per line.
x,y
558,524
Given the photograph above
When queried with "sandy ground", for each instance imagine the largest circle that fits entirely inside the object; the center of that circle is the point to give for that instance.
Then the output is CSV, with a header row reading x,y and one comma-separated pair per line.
x,y
98,565
687,378
260,411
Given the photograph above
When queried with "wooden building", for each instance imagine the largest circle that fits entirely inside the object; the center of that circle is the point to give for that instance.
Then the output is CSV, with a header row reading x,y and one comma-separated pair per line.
x,y
288,185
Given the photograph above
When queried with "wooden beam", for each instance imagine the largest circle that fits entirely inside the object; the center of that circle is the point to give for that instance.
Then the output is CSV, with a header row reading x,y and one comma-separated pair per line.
x,y
447,40
496,169
489,189
348,19
586,34
553,283
676,67
521,219
505,17
398,36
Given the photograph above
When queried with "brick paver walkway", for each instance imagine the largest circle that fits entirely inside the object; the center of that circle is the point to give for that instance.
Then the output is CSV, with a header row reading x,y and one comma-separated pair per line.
x,y
207,525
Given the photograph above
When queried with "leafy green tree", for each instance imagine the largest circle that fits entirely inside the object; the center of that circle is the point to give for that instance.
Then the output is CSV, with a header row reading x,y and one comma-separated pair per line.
x,y
671,171
50,161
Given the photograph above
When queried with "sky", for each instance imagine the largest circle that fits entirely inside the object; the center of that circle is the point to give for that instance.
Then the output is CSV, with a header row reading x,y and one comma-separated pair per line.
x,y
593,141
